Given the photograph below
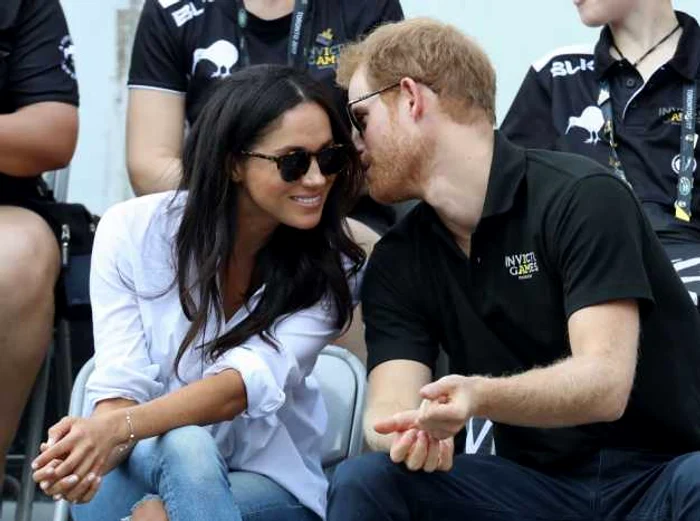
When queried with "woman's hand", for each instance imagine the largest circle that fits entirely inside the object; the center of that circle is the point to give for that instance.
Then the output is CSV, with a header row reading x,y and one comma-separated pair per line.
x,y
73,459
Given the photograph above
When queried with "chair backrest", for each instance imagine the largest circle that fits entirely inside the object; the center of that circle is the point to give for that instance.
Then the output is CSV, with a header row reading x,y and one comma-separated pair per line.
x,y
341,377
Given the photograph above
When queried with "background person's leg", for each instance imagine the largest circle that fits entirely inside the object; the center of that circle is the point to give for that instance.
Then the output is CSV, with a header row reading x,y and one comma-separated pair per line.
x,y
478,488
29,268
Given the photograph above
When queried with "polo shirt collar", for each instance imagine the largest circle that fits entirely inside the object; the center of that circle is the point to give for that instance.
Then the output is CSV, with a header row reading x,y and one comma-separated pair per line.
x,y
507,171
686,60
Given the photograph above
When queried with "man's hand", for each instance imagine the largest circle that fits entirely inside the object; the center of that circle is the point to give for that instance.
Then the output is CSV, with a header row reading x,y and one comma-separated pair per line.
x,y
447,406
414,447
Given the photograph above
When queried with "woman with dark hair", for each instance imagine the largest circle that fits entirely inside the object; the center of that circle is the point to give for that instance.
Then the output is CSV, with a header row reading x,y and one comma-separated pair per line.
x,y
210,307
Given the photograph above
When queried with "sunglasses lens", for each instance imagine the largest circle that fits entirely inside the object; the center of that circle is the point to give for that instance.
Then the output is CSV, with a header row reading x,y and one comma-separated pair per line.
x,y
332,160
294,165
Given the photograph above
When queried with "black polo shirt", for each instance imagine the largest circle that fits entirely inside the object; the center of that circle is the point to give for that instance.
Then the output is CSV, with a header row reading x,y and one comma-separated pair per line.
x,y
36,64
558,233
170,32
556,108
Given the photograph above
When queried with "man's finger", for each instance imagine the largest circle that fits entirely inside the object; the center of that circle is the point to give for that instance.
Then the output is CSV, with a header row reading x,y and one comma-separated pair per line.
x,y
433,458
399,422
418,452
439,388
447,449
401,445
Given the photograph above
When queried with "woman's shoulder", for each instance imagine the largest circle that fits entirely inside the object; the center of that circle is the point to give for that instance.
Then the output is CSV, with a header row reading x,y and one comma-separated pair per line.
x,y
139,218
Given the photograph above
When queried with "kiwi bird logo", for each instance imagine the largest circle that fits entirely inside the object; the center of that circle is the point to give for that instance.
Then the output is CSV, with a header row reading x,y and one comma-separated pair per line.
x,y
591,120
222,54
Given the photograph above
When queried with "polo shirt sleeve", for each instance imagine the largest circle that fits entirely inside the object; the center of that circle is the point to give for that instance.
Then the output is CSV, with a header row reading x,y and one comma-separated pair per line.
x,y
156,59
529,119
372,13
123,365
396,326
596,235
40,63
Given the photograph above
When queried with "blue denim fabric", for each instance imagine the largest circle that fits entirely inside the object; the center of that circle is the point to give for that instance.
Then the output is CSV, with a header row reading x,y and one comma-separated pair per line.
x,y
614,485
185,469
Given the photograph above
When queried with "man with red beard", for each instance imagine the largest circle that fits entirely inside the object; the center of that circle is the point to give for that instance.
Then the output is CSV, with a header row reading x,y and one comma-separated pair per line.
x,y
537,274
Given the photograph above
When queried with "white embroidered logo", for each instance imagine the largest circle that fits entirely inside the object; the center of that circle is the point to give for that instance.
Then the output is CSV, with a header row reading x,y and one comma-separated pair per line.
x,y
222,54
67,50
186,13
590,120
566,68
522,265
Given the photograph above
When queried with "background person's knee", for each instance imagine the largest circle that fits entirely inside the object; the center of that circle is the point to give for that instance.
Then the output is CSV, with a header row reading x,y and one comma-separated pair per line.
x,y
29,259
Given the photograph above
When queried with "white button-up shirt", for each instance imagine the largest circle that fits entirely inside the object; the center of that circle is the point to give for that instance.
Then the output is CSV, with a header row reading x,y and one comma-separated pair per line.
x,y
139,324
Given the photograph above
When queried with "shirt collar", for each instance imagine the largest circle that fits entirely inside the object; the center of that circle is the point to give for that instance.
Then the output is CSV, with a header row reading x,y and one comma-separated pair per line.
x,y
686,60
507,171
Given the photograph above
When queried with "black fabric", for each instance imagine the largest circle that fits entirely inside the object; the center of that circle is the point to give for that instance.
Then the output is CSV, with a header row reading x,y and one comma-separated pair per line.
x,y
556,108
610,485
36,55
558,233
167,39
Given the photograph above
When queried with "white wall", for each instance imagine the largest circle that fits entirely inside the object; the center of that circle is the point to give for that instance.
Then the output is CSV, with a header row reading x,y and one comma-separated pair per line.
x,y
513,33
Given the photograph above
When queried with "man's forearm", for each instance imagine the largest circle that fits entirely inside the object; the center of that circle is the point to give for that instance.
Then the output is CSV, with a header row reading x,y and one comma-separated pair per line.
x,y
574,391
37,138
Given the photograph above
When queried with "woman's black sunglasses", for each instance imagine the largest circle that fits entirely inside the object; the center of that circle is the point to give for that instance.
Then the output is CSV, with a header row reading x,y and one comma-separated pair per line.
x,y
331,160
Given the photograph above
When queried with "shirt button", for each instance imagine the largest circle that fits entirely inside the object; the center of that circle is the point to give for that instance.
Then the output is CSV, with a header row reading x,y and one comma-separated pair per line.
x,y
631,82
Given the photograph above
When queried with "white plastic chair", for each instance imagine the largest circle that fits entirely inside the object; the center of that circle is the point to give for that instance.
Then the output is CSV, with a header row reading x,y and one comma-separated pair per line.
x,y
342,379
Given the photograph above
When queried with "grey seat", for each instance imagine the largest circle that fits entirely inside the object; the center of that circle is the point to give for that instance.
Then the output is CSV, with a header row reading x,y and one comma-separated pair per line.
x,y
342,379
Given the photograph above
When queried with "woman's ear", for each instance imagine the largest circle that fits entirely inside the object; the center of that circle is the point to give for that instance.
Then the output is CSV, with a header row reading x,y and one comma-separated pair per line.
x,y
235,176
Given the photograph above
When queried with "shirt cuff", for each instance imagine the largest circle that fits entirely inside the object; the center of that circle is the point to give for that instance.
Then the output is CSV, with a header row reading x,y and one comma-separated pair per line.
x,y
263,394
117,381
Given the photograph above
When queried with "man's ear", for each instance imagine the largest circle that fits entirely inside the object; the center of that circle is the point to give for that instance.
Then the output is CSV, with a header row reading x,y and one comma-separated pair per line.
x,y
415,97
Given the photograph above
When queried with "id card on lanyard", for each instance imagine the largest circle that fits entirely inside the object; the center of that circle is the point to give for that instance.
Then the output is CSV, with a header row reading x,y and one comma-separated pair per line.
x,y
689,140
296,46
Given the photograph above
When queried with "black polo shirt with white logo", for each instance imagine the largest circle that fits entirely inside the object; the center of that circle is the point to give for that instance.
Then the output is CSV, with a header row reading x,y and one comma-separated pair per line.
x,y
36,63
556,108
183,45
558,233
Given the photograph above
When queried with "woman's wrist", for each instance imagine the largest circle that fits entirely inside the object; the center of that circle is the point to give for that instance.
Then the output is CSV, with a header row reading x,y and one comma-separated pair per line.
x,y
122,425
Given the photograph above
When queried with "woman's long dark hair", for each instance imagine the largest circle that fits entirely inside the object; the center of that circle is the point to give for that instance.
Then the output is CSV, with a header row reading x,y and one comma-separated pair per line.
x,y
298,267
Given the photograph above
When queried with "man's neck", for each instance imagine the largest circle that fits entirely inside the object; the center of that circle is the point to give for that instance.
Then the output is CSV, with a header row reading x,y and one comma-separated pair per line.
x,y
455,185
641,30
269,9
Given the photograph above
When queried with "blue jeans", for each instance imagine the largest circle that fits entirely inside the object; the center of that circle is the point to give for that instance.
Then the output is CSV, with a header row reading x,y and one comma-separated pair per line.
x,y
185,469
612,486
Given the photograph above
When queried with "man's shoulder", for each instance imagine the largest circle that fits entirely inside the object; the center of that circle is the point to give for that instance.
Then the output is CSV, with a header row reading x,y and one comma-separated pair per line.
x,y
404,238
566,61
177,14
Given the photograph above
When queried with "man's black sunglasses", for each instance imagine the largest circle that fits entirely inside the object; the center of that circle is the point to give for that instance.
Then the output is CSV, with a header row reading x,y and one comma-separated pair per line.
x,y
331,160
359,126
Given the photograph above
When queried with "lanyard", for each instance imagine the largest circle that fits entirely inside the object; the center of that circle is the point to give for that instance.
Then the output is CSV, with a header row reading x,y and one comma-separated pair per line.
x,y
689,139
296,53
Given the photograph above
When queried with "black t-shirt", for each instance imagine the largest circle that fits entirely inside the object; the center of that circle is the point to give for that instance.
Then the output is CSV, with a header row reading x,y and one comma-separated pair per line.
x,y
557,108
185,46
36,61
558,234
